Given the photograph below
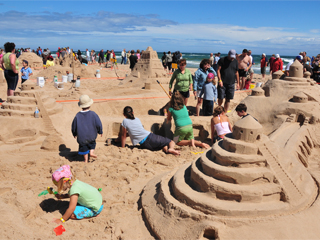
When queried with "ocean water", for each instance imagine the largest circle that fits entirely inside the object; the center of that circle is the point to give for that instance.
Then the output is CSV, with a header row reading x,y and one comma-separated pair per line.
x,y
194,59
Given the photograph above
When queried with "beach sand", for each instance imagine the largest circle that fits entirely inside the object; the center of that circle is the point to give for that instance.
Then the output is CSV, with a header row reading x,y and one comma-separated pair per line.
x,y
122,173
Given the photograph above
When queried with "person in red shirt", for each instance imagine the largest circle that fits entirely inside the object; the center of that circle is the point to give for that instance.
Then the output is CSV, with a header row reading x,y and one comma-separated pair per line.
x,y
271,60
263,65
277,64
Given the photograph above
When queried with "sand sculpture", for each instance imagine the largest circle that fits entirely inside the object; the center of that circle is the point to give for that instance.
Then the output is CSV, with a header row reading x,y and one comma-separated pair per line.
x,y
147,70
257,172
34,61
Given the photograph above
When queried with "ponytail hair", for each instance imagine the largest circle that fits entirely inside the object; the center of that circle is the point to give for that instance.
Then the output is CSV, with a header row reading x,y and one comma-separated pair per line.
x,y
128,112
218,110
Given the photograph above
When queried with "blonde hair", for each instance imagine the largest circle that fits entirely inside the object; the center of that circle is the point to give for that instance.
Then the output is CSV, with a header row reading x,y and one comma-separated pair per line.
x,y
61,182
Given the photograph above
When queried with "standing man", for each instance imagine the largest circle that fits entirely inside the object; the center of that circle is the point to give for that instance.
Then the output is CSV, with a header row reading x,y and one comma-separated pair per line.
x,y
88,55
124,56
227,75
216,60
133,60
271,60
101,57
211,59
263,65
244,63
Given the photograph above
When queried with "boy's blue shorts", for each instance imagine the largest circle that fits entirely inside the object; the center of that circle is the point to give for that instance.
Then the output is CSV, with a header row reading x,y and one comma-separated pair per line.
x,y
83,212
85,148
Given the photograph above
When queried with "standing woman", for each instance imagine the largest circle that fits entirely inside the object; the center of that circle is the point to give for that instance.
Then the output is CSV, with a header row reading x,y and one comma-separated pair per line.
x,y
200,77
10,63
183,79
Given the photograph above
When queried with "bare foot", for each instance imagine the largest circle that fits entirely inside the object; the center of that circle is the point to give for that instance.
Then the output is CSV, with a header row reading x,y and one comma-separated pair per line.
x,y
204,145
93,155
173,151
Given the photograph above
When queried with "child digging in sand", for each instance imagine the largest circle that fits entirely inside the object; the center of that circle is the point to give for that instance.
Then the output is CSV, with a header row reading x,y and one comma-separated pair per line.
x,y
85,127
139,135
85,200
184,129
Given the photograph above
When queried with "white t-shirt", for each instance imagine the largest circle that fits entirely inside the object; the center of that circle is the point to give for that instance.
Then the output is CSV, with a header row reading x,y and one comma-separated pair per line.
x,y
88,54
216,60
135,129
288,66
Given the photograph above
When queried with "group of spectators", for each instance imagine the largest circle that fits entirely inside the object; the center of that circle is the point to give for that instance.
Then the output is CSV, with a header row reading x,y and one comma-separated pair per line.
x,y
168,59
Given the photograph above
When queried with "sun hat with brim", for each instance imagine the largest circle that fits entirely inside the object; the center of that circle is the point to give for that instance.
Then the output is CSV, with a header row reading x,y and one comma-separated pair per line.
x,y
85,101
62,172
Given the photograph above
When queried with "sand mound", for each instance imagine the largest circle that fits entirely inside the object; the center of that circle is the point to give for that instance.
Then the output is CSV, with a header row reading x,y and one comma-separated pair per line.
x,y
33,59
52,143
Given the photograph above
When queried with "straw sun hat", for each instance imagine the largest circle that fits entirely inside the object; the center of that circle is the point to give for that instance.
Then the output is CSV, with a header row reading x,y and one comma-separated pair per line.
x,y
85,101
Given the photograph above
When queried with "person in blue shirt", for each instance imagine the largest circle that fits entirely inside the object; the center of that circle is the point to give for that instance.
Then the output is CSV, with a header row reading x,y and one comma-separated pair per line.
x,y
25,71
85,127
209,93
200,76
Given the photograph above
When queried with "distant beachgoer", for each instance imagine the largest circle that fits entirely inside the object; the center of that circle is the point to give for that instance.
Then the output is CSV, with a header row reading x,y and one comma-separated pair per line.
x,y
277,64
85,127
263,65
128,57
79,55
270,63
45,56
133,60
1,53
250,70
220,124
85,200
10,64
169,61
138,54
183,79
227,76
139,135
209,93
25,71
200,77
124,56
244,63
306,66
211,59
101,57
87,55
216,60
164,60
183,133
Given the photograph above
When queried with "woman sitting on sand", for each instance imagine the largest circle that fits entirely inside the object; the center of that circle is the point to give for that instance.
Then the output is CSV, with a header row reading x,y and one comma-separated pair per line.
x,y
184,129
219,123
183,79
139,135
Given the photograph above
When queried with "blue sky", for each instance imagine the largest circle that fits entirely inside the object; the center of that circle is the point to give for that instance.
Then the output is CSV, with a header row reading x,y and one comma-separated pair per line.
x,y
284,27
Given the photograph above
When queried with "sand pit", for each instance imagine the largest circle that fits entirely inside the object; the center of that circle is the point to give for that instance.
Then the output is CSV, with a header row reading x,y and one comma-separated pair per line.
x,y
129,177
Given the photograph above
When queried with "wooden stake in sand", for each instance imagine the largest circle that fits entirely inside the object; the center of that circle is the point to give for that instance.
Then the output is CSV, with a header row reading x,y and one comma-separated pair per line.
x,y
163,88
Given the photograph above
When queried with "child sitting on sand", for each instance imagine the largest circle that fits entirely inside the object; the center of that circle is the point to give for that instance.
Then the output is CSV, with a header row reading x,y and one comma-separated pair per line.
x,y
139,135
85,126
85,200
25,71
184,129
209,93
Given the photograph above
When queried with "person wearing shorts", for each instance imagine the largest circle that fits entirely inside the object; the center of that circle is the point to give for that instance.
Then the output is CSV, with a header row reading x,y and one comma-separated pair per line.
x,y
183,134
227,75
183,79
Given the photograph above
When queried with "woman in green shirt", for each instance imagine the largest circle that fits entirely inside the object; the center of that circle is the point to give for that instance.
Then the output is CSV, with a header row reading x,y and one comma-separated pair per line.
x,y
10,64
183,79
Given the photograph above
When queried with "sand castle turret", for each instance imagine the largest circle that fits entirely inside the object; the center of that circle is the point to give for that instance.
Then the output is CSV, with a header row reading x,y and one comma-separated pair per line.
x,y
296,69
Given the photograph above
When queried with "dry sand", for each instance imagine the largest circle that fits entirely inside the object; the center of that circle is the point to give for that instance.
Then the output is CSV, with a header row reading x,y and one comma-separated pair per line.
x,y
122,173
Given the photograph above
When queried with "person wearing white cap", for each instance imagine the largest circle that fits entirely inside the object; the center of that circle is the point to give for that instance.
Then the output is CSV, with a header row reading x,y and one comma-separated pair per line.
x,y
263,65
227,75
277,64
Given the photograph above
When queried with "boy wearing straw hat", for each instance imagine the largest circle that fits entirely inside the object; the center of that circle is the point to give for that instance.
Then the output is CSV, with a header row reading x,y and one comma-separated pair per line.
x,y
85,127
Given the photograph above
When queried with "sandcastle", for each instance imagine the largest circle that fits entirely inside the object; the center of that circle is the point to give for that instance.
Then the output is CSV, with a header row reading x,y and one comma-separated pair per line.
x,y
147,70
34,61
259,172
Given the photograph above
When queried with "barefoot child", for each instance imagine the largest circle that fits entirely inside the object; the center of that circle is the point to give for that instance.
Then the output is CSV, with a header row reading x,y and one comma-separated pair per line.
x,y
209,93
184,129
143,137
25,71
85,200
85,127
